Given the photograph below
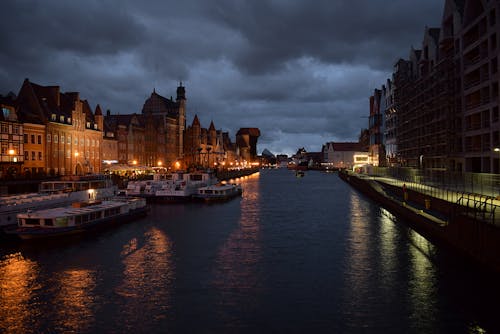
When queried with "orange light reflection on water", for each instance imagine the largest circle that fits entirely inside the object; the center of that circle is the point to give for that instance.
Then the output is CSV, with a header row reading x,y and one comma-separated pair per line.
x,y
148,277
17,281
238,258
74,301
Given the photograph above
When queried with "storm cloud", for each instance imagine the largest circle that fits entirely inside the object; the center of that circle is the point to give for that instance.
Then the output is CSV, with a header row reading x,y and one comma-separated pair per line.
x,y
301,71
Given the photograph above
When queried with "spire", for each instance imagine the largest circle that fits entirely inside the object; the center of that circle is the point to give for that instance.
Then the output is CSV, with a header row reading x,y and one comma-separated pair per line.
x,y
196,121
98,111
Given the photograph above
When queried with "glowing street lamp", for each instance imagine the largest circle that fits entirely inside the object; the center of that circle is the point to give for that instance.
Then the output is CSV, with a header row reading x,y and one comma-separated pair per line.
x,y
497,149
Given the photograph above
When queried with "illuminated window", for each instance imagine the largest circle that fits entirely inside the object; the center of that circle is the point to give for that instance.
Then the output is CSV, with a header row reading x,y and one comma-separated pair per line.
x,y
56,140
26,155
61,119
54,117
62,139
48,137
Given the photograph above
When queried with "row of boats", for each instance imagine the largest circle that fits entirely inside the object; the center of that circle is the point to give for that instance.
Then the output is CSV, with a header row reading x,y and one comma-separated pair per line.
x,y
77,204
180,187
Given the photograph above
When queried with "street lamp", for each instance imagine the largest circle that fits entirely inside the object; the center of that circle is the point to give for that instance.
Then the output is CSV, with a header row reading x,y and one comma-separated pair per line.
x,y
497,149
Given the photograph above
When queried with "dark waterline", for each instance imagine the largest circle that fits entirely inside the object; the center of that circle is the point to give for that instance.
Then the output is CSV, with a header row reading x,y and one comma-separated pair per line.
x,y
292,255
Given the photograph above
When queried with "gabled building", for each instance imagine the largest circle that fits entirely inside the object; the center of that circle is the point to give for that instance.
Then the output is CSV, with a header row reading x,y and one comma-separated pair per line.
x,y
73,134
11,139
165,120
208,148
129,133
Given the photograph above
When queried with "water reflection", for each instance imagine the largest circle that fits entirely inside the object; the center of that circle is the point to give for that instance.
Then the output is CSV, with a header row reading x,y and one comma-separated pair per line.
x,y
236,276
148,276
359,253
388,243
421,284
75,300
17,281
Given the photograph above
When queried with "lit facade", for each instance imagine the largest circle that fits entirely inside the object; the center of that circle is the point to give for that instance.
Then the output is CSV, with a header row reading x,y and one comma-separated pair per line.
x,y
73,134
11,140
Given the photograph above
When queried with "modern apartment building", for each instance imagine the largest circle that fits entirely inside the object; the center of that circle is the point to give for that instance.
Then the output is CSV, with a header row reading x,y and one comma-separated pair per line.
x,y
446,94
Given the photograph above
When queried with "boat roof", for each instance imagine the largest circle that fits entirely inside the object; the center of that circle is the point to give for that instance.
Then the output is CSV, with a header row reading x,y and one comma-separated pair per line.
x,y
219,186
70,210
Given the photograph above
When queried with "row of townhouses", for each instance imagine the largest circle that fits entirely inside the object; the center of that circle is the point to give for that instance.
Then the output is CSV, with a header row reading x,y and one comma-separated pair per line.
x,y
440,109
44,131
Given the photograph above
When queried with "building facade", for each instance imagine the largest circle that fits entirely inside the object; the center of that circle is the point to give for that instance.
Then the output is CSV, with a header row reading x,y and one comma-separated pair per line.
x,y
11,139
73,134
445,97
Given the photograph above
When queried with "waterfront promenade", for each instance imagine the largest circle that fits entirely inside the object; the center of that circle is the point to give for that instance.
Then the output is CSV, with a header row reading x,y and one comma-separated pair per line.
x,y
480,206
466,223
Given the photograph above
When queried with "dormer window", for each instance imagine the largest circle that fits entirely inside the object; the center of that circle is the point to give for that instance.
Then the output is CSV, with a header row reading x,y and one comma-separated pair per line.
x,y
6,113
88,125
69,120
61,119
95,126
54,117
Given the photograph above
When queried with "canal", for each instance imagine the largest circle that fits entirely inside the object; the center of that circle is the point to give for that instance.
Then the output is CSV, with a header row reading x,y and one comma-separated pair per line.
x,y
292,255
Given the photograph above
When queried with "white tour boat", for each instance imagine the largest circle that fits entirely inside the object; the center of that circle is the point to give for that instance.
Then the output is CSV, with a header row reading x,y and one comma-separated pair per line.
x,y
78,217
51,194
219,192
171,187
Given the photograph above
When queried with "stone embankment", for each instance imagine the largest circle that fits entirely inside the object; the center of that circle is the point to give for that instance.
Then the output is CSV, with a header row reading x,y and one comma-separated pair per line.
x,y
442,222
233,174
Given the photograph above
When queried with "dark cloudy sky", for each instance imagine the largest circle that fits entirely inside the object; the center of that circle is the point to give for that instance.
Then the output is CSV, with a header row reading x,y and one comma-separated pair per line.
x,y
300,70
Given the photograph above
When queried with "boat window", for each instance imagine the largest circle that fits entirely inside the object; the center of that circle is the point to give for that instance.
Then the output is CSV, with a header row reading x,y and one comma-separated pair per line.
x,y
78,220
31,221
48,222
85,218
196,177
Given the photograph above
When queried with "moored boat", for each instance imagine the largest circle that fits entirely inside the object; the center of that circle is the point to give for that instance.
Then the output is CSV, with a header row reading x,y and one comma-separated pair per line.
x,y
78,217
218,192
171,187
56,193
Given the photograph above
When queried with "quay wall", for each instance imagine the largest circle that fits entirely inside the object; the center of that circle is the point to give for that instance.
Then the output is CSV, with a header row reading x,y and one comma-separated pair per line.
x,y
233,174
476,241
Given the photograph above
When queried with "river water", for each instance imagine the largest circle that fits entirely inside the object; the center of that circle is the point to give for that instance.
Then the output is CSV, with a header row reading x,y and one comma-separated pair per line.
x,y
292,255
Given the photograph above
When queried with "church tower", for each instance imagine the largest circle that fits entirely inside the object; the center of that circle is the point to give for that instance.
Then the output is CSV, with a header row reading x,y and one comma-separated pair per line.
x,y
181,100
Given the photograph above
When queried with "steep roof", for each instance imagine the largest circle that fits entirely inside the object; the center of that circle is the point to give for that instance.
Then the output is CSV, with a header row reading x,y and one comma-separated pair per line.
x,y
196,121
159,104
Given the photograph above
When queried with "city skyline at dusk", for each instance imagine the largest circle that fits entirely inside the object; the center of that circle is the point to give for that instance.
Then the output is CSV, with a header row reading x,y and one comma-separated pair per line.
x,y
302,74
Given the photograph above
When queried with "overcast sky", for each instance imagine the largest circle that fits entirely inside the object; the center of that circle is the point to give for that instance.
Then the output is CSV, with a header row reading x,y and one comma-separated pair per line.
x,y
300,70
